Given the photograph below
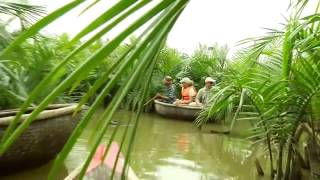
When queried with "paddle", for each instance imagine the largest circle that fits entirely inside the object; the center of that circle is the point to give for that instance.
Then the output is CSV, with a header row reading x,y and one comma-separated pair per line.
x,y
150,100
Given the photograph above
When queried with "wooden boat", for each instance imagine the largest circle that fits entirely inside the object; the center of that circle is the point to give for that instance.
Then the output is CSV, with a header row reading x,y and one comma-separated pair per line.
x,y
177,112
102,169
42,140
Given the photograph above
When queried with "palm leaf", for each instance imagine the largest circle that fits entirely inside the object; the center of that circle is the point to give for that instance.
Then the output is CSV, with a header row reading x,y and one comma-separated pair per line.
x,y
39,25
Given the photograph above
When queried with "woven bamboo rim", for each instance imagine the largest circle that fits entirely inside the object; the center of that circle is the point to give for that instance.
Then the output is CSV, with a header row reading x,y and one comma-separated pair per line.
x,y
52,111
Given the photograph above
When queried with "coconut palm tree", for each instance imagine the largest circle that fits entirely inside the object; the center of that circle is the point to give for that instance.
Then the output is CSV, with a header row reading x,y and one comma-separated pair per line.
x,y
135,65
13,89
27,14
205,62
273,85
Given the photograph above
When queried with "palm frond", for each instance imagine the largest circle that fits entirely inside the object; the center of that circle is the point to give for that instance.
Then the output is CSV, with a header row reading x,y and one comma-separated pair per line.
x,y
28,14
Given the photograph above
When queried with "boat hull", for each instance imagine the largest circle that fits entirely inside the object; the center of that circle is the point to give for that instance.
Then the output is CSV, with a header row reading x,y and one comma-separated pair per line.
x,y
177,112
101,168
41,141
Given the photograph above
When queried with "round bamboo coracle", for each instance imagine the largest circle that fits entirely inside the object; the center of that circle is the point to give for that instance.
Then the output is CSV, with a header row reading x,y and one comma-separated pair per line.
x,y
42,140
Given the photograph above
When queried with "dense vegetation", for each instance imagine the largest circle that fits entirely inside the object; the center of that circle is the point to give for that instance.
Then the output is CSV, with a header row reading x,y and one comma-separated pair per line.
x,y
33,60
274,82
90,71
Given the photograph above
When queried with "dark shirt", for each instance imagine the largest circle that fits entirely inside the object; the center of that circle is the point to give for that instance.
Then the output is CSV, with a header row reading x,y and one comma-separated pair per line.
x,y
170,92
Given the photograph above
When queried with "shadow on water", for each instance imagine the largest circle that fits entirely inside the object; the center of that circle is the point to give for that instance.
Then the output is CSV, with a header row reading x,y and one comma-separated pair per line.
x,y
170,149
39,173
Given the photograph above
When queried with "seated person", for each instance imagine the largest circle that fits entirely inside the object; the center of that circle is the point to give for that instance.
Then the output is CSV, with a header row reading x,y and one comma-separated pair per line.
x,y
188,92
204,93
169,92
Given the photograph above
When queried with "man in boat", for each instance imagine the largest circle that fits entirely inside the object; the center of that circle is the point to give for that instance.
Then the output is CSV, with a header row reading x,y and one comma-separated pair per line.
x,y
188,92
204,93
169,92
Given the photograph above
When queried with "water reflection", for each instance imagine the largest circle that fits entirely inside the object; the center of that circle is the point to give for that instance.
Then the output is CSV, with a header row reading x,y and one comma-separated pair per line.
x,y
168,149
171,149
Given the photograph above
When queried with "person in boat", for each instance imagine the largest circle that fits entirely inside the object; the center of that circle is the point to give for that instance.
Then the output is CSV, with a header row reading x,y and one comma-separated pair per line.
x,y
204,93
188,92
169,92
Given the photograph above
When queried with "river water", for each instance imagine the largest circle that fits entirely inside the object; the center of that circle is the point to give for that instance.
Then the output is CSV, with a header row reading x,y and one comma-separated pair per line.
x,y
168,149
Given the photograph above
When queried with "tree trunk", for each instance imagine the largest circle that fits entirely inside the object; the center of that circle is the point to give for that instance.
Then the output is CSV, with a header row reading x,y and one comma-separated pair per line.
x,y
279,165
295,172
302,161
288,164
258,167
270,155
306,156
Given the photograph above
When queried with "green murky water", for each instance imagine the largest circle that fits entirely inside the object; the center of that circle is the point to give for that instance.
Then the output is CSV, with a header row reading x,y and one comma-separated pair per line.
x,y
170,149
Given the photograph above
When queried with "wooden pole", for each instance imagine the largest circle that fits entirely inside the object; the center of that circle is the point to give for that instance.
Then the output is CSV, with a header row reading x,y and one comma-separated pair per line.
x,y
150,100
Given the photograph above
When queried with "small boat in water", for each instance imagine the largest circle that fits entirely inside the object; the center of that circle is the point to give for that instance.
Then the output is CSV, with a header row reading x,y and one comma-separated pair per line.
x,y
102,169
42,140
177,112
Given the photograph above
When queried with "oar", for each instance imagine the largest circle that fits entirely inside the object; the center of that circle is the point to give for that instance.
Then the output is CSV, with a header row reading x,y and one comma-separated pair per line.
x,y
150,100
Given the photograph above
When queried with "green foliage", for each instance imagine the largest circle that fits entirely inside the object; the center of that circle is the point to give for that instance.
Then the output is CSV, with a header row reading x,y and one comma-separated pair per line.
x,y
27,14
273,84
205,62
29,63
169,63
129,67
